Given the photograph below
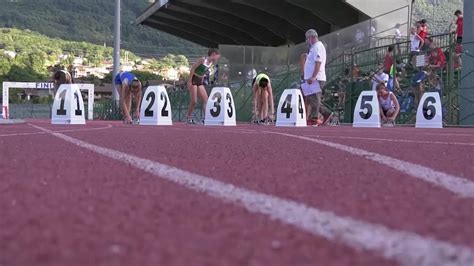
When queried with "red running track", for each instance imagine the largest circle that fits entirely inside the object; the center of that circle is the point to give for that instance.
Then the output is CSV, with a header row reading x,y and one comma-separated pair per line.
x,y
61,204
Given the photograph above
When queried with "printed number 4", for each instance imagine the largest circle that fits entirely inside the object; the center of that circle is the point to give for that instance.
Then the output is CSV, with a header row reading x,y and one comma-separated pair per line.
x,y
286,107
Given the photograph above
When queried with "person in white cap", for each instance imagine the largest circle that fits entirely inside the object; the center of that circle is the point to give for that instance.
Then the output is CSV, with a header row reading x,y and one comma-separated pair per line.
x,y
315,79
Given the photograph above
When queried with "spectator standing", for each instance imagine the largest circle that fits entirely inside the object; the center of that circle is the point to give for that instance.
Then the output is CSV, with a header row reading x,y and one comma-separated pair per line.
x,y
315,77
423,29
398,37
398,33
459,25
388,60
416,42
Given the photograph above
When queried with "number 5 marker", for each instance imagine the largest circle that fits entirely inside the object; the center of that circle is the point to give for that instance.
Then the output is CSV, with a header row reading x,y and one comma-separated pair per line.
x,y
367,110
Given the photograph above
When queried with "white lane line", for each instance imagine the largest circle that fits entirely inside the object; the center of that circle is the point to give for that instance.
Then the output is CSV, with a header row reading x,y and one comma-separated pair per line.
x,y
329,129
59,131
396,140
405,247
458,185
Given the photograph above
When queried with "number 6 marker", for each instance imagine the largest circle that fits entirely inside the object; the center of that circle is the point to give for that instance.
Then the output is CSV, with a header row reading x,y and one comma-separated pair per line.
x,y
430,112
367,110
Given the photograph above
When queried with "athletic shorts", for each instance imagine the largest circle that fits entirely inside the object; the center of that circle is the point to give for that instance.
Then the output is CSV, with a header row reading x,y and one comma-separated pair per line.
x,y
197,81
386,111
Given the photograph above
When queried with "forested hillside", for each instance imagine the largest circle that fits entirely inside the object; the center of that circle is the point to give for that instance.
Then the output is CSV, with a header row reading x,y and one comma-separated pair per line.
x,y
91,21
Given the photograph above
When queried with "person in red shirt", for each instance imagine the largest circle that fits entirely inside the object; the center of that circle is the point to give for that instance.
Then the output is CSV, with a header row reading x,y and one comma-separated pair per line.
x,y
423,29
388,60
459,25
437,58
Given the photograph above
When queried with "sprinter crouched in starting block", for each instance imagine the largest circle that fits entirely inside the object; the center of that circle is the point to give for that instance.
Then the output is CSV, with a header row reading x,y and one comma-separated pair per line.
x,y
128,85
262,99
61,77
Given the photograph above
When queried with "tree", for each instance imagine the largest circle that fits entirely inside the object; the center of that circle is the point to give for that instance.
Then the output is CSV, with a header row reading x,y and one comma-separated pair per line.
x,y
181,60
5,65
145,76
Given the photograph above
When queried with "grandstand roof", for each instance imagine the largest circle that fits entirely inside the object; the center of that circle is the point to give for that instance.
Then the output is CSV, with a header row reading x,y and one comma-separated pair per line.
x,y
248,22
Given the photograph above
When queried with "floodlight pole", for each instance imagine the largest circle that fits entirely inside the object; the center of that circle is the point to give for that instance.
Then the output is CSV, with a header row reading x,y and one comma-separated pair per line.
x,y
115,94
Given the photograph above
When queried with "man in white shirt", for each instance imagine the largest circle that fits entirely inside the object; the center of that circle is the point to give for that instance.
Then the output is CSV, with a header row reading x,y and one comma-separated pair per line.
x,y
380,77
315,79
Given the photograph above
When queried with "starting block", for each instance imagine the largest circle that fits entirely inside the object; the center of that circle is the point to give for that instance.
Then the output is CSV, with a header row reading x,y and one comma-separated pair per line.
x,y
291,111
220,108
68,106
155,108
429,113
367,110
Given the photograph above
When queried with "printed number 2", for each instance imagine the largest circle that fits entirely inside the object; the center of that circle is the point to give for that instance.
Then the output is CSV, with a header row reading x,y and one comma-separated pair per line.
x,y
164,112
366,105
148,111
429,111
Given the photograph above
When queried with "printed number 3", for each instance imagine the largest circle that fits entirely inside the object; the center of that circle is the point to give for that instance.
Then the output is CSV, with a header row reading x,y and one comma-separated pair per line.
x,y
230,111
217,105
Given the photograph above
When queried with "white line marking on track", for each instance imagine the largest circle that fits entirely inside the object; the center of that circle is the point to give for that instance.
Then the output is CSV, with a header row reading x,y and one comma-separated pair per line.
x,y
458,185
396,140
391,130
59,131
405,247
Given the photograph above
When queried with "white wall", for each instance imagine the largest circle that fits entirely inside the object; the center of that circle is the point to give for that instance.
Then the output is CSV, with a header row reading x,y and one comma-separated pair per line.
x,y
375,8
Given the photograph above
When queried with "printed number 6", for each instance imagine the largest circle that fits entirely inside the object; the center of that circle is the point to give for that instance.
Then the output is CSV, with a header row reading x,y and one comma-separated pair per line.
x,y
429,110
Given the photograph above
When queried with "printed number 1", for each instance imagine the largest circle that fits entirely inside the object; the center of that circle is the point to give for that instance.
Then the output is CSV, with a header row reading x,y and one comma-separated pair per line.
x,y
78,109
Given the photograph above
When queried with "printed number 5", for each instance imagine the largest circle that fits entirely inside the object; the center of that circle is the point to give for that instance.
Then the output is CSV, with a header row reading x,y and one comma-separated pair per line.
x,y
365,104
